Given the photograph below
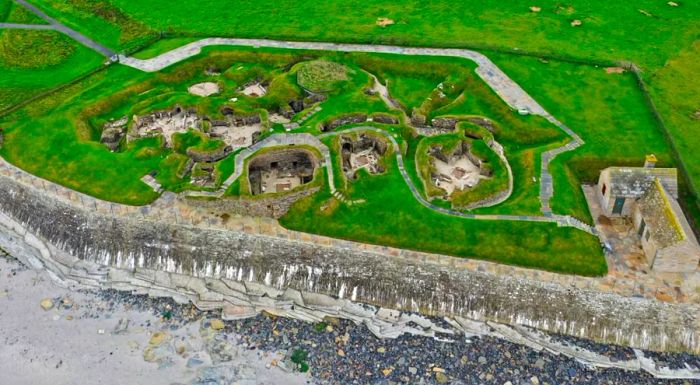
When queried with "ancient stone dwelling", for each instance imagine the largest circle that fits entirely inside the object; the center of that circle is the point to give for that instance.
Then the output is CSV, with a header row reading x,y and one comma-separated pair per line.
x,y
362,153
648,197
281,170
459,170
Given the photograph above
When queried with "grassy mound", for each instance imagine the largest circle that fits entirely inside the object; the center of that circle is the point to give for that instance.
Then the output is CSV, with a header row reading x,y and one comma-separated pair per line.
x,y
321,75
34,49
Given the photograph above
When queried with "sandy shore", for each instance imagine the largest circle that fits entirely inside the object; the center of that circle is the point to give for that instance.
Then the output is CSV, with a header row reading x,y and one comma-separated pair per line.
x,y
82,340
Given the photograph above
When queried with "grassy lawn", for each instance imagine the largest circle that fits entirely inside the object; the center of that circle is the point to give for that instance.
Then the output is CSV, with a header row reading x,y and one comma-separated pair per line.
x,y
610,30
99,19
675,90
57,138
11,12
32,62
606,110
390,205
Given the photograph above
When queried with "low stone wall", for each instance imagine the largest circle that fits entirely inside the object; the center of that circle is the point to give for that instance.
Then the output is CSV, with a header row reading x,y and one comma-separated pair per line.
x,y
75,242
259,206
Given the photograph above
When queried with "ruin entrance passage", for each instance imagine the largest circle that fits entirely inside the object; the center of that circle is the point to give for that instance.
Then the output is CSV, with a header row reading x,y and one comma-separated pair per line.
x,y
282,170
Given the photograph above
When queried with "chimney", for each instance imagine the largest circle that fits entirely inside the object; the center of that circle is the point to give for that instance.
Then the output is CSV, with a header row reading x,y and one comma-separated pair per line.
x,y
650,161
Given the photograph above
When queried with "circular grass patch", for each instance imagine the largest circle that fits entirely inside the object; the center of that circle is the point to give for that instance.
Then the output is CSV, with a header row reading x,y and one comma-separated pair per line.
x,y
29,49
321,75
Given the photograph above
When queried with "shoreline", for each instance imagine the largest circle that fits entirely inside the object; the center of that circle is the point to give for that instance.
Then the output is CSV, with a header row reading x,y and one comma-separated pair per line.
x,y
271,338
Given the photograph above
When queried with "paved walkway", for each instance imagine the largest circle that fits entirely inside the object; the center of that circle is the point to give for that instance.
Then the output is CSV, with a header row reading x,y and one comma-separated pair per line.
x,y
506,88
26,26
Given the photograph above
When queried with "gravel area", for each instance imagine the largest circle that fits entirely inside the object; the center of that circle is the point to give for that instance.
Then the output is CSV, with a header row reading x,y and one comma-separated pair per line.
x,y
614,352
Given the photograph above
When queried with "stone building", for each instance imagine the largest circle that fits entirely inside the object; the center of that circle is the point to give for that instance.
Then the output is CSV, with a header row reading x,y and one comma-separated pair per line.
x,y
648,196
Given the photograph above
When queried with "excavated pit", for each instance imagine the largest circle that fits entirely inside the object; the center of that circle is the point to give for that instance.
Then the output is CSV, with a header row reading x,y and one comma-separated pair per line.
x,y
362,153
281,171
456,171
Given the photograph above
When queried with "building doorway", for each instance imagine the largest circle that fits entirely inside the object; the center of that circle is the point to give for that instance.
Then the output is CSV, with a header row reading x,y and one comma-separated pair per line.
x,y
619,205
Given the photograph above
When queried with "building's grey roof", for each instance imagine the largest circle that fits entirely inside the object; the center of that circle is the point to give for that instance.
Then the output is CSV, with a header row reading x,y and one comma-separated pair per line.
x,y
633,182
661,217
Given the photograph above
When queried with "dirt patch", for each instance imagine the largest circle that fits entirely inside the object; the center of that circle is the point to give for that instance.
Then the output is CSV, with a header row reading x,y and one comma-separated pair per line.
x,y
254,90
237,136
615,70
696,115
204,89
277,118
384,21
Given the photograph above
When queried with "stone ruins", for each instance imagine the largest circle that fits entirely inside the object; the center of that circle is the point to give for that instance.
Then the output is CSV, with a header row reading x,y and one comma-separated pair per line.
x,y
362,153
459,170
281,170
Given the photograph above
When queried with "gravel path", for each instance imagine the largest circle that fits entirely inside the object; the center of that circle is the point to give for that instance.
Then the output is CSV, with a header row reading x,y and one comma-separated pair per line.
x,y
26,26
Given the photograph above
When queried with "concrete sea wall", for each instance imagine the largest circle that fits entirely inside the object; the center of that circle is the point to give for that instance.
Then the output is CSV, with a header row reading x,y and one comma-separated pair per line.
x,y
213,267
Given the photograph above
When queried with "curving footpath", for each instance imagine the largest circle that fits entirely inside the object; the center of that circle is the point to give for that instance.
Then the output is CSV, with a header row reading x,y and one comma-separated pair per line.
x,y
508,90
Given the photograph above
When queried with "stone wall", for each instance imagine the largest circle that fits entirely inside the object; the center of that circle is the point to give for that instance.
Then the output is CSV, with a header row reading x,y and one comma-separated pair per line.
x,y
67,237
260,206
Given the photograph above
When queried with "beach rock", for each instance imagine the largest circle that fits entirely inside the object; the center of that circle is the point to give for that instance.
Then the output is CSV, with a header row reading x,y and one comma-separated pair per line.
x,y
217,324
158,338
441,378
46,304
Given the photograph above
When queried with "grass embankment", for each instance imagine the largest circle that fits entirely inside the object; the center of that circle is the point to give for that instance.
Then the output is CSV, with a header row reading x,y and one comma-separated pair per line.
x,y
485,188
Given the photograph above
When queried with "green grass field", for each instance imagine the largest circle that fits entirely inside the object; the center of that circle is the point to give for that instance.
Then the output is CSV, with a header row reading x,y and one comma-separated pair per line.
x,y
32,62
54,137
658,37
390,205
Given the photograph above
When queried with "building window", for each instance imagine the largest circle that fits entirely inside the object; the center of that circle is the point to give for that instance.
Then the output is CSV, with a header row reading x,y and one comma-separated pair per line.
x,y
648,236
604,189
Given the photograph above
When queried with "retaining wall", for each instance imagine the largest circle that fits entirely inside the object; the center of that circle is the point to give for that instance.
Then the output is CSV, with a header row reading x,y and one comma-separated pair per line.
x,y
95,248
